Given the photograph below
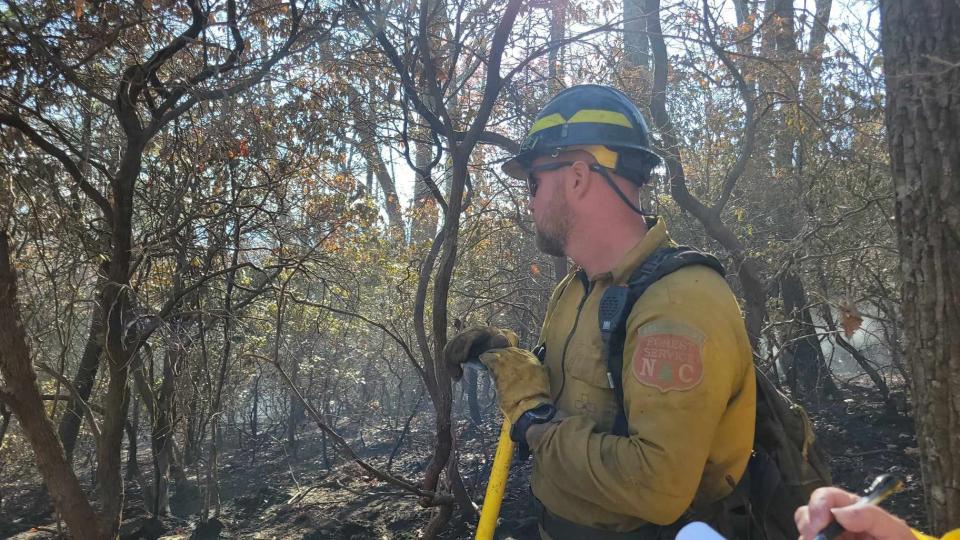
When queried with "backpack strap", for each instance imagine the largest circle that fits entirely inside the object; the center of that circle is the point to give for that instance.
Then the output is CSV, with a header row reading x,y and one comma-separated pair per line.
x,y
618,301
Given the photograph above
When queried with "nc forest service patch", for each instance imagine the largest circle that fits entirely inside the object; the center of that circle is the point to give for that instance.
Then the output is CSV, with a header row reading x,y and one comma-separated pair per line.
x,y
668,356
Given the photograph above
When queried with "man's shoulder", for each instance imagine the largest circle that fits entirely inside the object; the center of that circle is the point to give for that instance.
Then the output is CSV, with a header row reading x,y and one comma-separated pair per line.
x,y
694,294
697,283
687,310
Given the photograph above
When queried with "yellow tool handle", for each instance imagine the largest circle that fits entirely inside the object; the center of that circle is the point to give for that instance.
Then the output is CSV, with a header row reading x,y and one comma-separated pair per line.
x,y
496,485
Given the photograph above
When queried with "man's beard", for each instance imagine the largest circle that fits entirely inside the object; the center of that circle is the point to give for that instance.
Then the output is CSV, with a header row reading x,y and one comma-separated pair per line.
x,y
552,237
551,244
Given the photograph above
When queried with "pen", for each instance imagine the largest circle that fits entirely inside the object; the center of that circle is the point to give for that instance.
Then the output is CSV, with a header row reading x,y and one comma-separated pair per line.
x,y
881,488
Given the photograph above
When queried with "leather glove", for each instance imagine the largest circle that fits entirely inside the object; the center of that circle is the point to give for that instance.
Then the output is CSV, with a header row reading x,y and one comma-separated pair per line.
x,y
471,343
522,381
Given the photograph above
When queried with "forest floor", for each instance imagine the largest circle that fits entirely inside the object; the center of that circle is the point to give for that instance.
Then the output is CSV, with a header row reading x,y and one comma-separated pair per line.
x,y
272,495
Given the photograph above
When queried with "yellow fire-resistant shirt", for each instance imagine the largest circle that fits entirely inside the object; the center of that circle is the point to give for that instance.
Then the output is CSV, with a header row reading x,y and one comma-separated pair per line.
x,y
952,535
689,393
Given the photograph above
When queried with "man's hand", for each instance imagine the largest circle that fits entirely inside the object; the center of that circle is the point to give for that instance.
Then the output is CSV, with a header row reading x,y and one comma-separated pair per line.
x,y
522,382
862,522
471,343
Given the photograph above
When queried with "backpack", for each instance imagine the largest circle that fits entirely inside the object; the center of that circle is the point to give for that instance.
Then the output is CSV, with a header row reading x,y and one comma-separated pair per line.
x,y
786,464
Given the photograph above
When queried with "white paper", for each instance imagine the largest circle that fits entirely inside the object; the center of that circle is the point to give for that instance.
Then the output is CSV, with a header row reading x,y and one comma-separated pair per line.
x,y
698,530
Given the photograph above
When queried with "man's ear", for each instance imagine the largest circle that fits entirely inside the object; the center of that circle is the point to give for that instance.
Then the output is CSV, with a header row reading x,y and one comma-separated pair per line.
x,y
580,183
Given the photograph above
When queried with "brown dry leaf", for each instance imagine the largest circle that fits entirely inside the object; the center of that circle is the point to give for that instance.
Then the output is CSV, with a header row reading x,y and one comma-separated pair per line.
x,y
850,318
535,270
78,9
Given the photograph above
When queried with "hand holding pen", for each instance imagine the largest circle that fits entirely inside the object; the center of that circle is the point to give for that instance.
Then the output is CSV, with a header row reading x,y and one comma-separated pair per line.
x,y
835,513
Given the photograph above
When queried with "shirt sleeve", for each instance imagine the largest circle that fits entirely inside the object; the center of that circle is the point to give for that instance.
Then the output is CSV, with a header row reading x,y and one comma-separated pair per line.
x,y
952,535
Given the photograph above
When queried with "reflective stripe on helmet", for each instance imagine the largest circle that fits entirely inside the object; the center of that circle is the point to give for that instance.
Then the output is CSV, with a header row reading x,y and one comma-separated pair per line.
x,y
583,116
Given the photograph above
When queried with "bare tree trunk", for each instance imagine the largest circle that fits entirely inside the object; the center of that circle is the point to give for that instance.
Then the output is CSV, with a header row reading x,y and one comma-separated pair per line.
x,y
636,43
194,435
109,457
161,439
813,68
473,403
295,411
803,343
426,213
294,417
921,46
4,421
119,341
133,427
425,216
211,502
84,380
364,122
328,418
636,70
445,450
784,35
255,415
23,397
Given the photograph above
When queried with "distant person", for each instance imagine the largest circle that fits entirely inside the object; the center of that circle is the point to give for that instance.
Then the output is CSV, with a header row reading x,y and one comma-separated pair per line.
x,y
862,522
630,453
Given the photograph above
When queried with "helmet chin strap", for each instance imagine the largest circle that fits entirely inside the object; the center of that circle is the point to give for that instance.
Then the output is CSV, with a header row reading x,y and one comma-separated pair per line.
x,y
616,189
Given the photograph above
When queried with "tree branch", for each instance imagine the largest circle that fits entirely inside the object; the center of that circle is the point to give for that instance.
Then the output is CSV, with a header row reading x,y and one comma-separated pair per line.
x,y
429,68
493,79
136,77
61,156
406,80
750,126
253,79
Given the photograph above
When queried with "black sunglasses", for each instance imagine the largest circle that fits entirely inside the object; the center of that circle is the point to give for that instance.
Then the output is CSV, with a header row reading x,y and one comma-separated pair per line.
x,y
533,183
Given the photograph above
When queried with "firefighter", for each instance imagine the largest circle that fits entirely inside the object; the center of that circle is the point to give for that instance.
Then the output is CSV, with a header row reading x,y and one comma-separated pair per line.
x,y
688,386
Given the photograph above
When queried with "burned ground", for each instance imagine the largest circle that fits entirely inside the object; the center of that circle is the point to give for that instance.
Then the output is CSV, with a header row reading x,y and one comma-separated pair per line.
x,y
266,493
